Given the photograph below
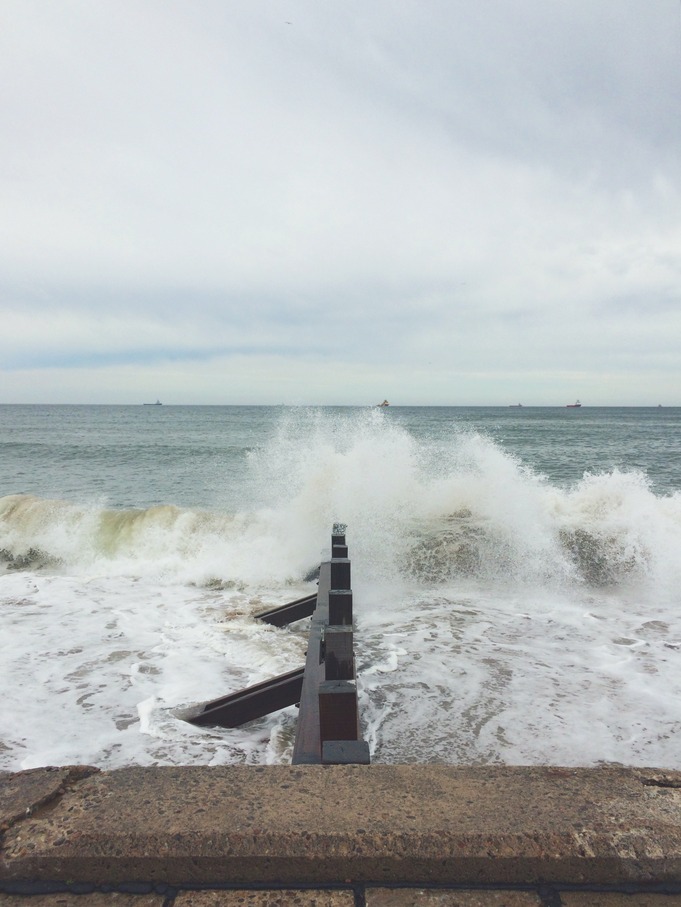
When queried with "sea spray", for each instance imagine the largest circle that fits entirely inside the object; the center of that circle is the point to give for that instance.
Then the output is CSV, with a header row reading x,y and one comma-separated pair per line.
x,y
502,614
460,506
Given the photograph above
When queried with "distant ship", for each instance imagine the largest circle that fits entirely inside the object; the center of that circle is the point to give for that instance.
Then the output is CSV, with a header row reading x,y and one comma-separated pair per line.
x,y
385,403
575,405
515,405
158,403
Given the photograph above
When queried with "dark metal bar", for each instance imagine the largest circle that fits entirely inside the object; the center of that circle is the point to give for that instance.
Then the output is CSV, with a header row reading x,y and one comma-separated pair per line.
x,y
338,715
340,607
345,752
253,702
340,573
338,653
287,614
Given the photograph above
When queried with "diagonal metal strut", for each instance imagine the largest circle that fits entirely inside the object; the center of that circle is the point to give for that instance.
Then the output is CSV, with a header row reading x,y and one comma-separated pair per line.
x,y
253,702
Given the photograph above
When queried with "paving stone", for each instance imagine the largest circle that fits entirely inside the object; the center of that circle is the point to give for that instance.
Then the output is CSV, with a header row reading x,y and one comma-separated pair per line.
x,y
419,897
284,898
596,899
95,899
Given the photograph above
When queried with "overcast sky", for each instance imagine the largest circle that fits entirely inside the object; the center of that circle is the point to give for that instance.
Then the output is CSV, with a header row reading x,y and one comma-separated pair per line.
x,y
337,201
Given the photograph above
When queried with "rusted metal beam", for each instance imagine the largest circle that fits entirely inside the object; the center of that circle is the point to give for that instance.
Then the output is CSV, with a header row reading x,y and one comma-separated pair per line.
x,y
251,703
287,614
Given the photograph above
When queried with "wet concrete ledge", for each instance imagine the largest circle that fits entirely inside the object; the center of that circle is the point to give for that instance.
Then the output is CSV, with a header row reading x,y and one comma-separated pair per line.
x,y
612,828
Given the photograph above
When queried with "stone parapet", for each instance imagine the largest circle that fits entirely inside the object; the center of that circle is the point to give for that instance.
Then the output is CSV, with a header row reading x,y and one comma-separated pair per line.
x,y
376,835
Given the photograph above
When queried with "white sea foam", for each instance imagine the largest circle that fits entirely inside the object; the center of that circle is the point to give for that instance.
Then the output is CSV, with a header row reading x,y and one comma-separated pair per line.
x,y
500,618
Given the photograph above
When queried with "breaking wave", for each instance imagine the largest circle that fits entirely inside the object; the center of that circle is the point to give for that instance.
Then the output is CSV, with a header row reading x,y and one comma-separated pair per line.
x,y
419,512
501,617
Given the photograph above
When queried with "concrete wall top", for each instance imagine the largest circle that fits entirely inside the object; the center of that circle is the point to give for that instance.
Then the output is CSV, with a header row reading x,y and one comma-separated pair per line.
x,y
328,824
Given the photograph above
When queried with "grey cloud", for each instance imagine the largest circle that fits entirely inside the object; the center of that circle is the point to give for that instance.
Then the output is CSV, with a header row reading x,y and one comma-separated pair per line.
x,y
389,184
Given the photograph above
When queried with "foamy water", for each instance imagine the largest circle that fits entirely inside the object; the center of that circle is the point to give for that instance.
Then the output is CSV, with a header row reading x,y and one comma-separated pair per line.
x,y
502,616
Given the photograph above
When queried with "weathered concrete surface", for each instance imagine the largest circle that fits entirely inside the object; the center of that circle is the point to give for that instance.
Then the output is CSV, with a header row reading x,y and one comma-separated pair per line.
x,y
600,899
23,793
93,899
286,898
497,826
405,897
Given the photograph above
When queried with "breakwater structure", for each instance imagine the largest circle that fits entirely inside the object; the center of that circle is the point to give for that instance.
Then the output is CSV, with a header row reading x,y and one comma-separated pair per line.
x,y
331,829
325,689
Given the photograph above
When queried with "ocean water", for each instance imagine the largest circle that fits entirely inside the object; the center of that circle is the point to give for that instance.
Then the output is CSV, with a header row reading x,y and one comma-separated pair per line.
x,y
516,578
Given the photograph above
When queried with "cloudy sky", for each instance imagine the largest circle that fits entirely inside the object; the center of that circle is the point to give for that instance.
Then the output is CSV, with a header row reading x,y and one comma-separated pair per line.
x,y
295,201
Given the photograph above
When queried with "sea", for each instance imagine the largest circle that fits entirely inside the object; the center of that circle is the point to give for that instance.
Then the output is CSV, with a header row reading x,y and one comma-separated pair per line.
x,y
516,577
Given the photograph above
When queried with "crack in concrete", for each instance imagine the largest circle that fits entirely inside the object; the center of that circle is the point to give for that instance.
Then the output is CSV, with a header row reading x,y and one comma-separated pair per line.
x,y
74,775
661,781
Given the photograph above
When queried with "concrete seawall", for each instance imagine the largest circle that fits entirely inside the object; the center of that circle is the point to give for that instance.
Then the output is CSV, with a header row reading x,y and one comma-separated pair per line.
x,y
342,835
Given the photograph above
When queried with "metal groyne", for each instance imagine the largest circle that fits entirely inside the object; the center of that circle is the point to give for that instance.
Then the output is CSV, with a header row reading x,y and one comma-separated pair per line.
x,y
328,730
